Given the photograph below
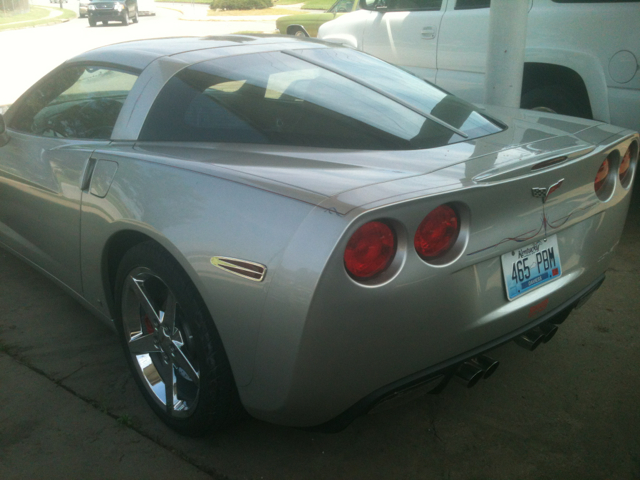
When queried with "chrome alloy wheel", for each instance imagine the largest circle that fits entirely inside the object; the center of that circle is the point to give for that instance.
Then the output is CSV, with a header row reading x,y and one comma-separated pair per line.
x,y
160,343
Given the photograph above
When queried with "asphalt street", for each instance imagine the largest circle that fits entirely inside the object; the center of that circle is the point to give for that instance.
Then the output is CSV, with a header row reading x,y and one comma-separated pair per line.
x,y
30,53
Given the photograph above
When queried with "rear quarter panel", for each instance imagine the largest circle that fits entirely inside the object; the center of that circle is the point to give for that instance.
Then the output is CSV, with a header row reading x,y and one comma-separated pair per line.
x,y
358,338
195,216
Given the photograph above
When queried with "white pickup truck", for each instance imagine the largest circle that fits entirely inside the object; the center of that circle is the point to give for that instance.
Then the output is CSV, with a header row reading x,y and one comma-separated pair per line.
x,y
581,56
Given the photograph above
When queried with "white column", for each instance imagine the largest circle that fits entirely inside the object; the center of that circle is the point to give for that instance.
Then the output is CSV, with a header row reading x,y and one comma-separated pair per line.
x,y
505,58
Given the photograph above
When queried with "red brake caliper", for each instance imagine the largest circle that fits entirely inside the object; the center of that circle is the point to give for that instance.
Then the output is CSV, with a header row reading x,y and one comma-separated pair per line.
x,y
148,325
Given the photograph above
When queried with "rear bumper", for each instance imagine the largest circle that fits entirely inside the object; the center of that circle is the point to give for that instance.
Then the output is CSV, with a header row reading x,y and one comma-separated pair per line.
x,y
99,16
435,378
327,341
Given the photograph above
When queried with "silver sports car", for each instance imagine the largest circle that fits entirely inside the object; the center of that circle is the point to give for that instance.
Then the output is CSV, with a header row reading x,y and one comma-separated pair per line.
x,y
301,231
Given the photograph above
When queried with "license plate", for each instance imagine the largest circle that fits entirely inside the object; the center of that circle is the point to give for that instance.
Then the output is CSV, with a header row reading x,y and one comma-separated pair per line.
x,y
531,266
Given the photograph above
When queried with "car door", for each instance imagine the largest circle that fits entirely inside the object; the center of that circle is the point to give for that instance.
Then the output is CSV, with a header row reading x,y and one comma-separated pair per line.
x,y
405,33
462,48
52,131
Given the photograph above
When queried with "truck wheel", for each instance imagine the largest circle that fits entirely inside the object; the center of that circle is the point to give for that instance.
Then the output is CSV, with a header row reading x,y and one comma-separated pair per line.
x,y
555,99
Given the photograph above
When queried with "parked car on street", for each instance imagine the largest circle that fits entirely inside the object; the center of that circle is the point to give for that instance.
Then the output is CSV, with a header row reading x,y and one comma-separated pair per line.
x,y
299,230
307,24
123,11
146,7
574,65
82,8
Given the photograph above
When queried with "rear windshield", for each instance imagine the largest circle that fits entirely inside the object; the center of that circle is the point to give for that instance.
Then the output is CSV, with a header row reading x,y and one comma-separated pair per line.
x,y
312,97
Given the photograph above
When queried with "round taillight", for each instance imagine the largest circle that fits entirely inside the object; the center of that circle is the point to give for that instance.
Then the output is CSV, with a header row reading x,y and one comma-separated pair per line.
x,y
625,165
601,176
437,233
370,250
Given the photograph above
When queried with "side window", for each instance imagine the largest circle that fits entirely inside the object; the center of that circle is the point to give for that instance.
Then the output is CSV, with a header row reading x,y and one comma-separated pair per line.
x,y
342,6
400,5
76,102
471,4
412,5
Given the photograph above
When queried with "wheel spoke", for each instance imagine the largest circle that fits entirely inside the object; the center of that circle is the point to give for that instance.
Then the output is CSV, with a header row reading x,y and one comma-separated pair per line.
x,y
168,313
177,339
185,364
136,286
141,344
169,385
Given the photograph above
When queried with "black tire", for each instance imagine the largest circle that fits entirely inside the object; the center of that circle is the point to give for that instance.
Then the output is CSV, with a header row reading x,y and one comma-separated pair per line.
x,y
203,394
105,22
298,32
125,18
135,17
92,22
556,99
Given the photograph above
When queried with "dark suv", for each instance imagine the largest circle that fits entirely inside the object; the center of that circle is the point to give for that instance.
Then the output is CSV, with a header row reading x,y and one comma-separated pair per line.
x,y
114,10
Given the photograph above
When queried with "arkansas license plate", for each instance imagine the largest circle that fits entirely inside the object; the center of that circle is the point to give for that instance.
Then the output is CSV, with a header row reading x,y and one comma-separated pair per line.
x,y
529,267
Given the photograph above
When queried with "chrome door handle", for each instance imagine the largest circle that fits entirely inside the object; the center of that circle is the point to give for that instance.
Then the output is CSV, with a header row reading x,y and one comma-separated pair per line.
x,y
429,33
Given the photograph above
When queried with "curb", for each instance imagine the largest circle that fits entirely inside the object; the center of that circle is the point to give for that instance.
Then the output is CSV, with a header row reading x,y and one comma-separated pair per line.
x,y
169,8
264,18
7,26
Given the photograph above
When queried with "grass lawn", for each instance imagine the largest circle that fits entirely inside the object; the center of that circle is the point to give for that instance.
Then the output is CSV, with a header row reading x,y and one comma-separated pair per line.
x,y
35,13
262,11
185,1
36,16
318,4
310,4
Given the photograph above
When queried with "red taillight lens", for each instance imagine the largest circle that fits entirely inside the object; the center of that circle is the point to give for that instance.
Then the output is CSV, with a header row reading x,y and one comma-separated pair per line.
x,y
601,176
437,233
370,250
625,165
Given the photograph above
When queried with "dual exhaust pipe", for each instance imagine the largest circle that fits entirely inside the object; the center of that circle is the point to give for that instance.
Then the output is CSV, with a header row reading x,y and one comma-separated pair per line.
x,y
533,338
472,371
475,369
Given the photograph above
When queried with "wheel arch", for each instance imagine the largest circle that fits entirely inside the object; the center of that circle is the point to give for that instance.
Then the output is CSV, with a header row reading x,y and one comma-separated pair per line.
x,y
292,29
118,244
538,75
581,70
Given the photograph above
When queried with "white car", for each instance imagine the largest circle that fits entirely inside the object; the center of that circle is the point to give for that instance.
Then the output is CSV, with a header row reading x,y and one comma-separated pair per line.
x,y
581,56
146,7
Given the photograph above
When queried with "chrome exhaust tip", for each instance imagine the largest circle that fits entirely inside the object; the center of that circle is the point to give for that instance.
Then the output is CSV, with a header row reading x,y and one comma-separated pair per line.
x,y
548,330
530,340
487,364
468,374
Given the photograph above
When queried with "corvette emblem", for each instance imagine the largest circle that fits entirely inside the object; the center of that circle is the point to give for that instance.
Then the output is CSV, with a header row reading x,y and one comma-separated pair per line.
x,y
544,193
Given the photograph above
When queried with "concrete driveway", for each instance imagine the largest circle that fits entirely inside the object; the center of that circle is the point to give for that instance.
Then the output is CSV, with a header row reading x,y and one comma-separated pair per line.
x,y
569,410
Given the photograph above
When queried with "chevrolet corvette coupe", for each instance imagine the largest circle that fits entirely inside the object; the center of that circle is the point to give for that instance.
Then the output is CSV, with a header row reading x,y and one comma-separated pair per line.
x,y
301,231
